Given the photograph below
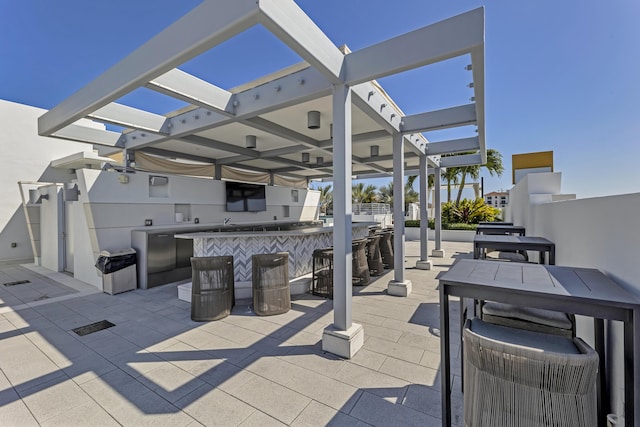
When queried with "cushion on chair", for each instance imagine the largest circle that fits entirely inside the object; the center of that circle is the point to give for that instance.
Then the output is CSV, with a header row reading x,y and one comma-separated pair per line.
x,y
519,337
554,319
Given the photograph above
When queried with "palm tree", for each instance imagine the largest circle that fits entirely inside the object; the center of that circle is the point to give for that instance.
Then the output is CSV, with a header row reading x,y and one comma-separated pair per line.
x,y
410,195
385,194
362,194
450,175
493,165
326,199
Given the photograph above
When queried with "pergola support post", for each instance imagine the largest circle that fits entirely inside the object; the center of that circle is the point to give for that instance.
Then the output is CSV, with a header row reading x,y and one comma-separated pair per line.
x,y
398,286
424,263
343,338
438,252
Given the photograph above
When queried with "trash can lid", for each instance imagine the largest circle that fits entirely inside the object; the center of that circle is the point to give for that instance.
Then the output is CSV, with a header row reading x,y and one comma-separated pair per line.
x,y
127,251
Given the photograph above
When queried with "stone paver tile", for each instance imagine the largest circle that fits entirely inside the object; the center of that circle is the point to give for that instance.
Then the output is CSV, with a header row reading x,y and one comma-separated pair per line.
x,y
272,368
260,419
131,403
368,318
399,351
257,324
315,360
54,398
272,399
427,341
137,363
136,333
240,336
381,332
213,407
170,382
325,390
87,368
317,414
57,344
24,365
368,359
13,411
427,399
89,414
383,385
227,377
376,411
108,345
410,372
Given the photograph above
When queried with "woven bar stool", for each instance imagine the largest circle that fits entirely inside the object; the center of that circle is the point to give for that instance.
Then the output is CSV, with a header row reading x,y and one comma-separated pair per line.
x,y
212,288
386,250
322,281
359,268
374,259
270,283
521,378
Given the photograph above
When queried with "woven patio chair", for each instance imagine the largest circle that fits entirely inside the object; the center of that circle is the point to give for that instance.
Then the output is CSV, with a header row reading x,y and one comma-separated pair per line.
x,y
374,259
270,283
522,378
360,275
212,288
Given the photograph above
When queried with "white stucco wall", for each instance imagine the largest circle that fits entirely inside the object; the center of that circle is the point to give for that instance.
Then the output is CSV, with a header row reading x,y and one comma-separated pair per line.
x,y
600,233
112,209
25,157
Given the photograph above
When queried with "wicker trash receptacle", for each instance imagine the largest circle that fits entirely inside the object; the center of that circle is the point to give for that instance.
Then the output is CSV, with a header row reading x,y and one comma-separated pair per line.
x,y
270,283
212,288
322,281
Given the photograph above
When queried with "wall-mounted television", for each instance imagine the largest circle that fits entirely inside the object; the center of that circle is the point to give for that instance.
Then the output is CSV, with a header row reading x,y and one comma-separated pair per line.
x,y
245,197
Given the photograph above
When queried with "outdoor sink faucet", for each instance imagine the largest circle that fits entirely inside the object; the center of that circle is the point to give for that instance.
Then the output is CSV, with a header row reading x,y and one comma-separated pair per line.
x,y
226,221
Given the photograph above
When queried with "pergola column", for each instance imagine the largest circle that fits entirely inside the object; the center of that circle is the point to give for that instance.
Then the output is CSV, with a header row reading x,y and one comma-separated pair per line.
x,y
344,337
438,252
424,263
398,286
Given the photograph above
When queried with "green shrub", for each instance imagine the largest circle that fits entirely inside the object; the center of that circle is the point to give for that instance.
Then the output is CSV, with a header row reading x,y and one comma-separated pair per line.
x,y
468,212
415,223
461,226
412,223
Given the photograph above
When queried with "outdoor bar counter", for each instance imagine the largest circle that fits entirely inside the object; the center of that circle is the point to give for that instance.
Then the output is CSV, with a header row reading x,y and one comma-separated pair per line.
x,y
299,243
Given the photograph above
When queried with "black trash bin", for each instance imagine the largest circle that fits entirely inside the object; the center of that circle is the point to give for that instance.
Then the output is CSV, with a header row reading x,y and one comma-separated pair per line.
x,y
118,271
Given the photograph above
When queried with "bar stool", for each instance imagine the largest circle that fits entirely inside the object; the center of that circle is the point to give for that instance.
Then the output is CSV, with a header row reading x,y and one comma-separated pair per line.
x,y
270,283
212,288
322,280
374,259
386,250
360,268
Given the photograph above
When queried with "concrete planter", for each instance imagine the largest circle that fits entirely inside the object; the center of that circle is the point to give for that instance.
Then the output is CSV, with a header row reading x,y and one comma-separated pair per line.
x,y
413,233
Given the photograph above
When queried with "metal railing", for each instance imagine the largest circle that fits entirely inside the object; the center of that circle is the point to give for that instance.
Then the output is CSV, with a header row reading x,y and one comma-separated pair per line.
x,y
371,208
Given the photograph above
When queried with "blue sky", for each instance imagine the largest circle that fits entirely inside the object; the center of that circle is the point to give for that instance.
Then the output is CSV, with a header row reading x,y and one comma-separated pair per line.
x,y
560,75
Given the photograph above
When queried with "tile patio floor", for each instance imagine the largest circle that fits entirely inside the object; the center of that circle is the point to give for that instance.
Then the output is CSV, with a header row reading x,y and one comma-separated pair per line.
x,y
157,367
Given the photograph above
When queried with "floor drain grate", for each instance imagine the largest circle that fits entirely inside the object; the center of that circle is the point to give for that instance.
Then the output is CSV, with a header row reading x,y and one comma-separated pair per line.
x,y
18,282
93,327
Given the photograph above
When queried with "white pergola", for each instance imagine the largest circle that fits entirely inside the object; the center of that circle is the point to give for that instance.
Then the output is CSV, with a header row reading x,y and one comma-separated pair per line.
x,y
337,84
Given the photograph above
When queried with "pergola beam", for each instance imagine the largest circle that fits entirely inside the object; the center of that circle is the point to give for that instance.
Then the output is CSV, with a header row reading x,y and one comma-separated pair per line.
x,y
196,32
190,89
129,117
462,115
461,160
88,134
291,25
434,43
453,146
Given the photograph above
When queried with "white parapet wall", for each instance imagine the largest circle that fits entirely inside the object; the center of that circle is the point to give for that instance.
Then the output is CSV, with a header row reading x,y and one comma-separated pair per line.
x,y
599,232
25,157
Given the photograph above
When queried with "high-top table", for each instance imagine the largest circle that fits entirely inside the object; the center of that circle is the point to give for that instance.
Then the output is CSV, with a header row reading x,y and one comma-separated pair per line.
x,y
574,290
502,242
500,229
